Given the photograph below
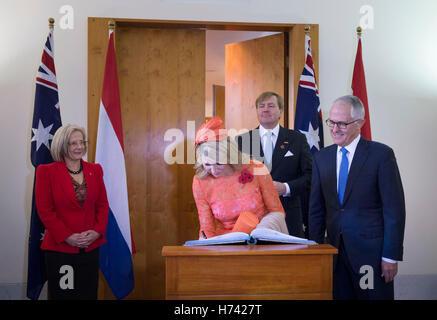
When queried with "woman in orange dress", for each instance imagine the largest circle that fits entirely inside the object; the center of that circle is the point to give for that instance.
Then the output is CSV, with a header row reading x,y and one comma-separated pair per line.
x,y
227,183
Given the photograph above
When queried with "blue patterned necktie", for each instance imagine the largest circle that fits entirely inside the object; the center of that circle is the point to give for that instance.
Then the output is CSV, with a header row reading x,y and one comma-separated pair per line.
x,y
342,177
268,147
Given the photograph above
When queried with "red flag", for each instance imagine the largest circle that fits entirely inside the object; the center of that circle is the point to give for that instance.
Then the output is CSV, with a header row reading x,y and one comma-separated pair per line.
x,y
359,90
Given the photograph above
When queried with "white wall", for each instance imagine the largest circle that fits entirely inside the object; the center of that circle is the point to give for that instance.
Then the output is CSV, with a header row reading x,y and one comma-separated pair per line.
x,y
399,57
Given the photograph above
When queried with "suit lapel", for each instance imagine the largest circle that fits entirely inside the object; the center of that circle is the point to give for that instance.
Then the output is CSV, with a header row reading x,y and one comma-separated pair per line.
x,y
360,157
278,152
67,183
332,171
88,175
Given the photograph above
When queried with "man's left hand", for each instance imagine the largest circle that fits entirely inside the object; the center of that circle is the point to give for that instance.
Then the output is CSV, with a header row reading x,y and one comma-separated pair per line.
x,y
389,270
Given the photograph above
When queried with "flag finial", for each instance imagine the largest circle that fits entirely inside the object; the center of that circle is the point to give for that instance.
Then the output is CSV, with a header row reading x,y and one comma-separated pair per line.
x,y
307,30
359,31
111,24
51,23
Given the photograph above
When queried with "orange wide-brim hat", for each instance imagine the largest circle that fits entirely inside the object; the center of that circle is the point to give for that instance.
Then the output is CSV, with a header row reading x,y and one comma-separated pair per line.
x,y
212,130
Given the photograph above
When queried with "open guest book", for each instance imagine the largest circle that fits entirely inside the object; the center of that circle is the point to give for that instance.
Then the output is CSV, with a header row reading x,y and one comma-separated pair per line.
x,y
257,236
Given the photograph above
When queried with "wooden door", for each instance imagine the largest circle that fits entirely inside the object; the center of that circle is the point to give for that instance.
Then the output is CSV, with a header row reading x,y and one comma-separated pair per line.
x,y
218,100
162,87
252,67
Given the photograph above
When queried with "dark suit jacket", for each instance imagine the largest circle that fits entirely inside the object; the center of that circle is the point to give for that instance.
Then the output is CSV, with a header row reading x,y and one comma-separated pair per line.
x,y
59,210
294,170
371,219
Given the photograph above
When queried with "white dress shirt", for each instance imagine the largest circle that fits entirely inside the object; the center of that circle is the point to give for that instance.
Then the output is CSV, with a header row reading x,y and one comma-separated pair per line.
x,y
275,133
351,148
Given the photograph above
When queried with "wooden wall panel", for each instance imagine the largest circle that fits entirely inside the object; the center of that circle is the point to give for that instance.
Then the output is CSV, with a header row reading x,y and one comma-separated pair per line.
x,y
252,67
218,97
297,61
162,79
98,35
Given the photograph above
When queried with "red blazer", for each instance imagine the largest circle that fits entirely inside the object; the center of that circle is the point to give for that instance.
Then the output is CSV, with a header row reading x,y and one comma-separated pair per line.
x,y
59,210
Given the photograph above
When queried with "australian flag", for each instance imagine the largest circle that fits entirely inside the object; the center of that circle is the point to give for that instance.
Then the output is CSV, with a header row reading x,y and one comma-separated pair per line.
x,y
46,120
308,119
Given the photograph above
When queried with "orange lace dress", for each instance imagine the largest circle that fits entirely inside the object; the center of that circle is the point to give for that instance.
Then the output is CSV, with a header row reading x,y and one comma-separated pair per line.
x,y
221,200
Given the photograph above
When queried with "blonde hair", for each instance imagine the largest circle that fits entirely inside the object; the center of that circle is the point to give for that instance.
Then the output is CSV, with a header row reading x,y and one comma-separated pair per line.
x,y
59,146
224,152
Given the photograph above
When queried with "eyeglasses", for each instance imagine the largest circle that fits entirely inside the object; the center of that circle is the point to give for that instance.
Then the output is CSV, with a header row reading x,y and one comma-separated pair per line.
x,y
340,125
78,143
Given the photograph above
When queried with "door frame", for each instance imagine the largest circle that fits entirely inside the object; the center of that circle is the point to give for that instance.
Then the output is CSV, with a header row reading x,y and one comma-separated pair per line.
x,y
98,41
294,56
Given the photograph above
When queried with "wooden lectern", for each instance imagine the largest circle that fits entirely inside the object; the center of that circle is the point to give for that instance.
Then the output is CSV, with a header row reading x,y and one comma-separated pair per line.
x,y
249,272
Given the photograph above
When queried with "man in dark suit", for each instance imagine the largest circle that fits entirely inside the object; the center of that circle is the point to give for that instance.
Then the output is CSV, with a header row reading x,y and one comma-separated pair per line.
x,y
286,154
357,196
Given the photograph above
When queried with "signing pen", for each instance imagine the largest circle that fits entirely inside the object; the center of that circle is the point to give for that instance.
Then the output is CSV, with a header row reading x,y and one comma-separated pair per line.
x,y
203,234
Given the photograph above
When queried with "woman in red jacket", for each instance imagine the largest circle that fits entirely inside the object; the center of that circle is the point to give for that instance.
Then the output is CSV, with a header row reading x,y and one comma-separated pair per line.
x,y
72,204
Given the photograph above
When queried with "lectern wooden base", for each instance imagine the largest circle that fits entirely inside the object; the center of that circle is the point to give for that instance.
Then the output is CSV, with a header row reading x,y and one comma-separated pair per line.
x,y
249,272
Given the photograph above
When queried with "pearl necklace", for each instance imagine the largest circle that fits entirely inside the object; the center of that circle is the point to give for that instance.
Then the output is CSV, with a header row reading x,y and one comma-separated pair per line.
x,y
76,172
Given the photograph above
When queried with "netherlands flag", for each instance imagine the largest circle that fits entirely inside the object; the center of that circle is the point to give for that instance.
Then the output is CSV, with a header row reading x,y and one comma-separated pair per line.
x,y
116,253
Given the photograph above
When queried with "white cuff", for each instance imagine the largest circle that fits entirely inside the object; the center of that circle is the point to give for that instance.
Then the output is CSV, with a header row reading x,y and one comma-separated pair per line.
x,y
287,192
389,260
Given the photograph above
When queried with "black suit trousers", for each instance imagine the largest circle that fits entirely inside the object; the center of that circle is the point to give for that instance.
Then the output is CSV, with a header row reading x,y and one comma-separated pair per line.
x,y
82,269
346,282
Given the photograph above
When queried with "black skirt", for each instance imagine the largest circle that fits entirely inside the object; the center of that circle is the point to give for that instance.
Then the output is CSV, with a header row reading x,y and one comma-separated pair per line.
x,y
72,276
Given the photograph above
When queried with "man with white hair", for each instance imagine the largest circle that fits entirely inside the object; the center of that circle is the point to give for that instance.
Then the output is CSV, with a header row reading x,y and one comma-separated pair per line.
x,y
357,196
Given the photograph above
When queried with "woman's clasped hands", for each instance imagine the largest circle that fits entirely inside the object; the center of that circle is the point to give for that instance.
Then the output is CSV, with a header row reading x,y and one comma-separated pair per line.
x,y
82,240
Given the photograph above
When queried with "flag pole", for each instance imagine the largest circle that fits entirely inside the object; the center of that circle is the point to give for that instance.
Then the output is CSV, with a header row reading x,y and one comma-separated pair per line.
x,y
51,23
307,30
111,25
359,85
116,254
45,112
359,31
111,29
